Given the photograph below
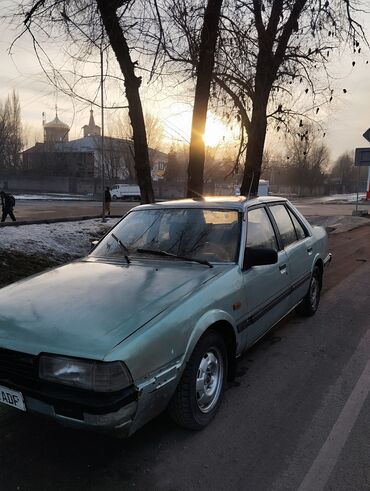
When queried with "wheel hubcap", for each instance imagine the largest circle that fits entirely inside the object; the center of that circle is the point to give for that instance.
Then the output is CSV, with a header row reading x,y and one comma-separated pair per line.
x,y
209,380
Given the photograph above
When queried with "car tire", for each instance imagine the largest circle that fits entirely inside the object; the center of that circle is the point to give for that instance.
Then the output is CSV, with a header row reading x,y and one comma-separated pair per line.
x,y
114,198
199,393
310,302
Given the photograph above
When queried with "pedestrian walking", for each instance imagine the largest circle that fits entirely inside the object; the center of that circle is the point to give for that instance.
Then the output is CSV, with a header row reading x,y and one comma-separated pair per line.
x,y
7,205
107,200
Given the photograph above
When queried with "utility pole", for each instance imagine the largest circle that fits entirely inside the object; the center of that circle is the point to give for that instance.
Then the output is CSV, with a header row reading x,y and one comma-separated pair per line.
x,y
103,219
366,135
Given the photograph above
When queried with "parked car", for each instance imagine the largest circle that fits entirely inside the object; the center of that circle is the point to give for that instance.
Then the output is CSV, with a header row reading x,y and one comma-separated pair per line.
x,y
125,191
157,314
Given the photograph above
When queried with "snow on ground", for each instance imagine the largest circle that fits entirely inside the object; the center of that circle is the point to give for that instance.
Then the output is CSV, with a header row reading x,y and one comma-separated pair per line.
x,y
64,239
338,224
342,198
52,197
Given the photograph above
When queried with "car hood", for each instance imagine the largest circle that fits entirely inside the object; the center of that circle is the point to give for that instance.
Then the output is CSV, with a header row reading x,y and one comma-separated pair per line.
x,y
87,307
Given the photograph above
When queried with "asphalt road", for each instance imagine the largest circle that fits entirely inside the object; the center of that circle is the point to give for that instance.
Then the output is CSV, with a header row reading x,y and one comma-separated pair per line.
x,y
38,210
296,417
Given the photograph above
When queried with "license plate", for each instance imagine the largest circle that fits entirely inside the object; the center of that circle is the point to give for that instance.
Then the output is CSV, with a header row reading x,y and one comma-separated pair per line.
x,y
12,398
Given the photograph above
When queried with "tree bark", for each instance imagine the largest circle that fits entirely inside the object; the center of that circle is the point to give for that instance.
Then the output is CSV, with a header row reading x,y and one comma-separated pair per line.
x,y
204,76
265,76
108,12
256,143
267,67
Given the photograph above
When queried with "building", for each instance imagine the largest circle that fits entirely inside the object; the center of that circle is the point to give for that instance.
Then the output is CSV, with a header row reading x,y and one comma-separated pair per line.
x,y
59,157
55,131
118,157
91,129
43,160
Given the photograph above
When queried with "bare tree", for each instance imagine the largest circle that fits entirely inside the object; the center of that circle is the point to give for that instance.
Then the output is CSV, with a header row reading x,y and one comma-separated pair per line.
x,y
290,42
346,175
11,134
82,22
270,63
118,159
111,19
204,74
155,131
309,160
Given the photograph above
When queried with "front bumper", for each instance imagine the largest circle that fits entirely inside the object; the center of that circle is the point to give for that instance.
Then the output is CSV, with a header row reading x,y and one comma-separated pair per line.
x,y
78,408
118,422
328,259
121,413
120,418
68,405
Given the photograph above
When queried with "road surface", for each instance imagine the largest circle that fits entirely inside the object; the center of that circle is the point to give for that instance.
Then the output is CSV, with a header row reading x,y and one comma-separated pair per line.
x,y
296,417
37,210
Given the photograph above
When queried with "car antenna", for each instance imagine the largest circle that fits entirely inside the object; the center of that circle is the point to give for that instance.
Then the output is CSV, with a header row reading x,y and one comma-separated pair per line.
x,y
198,197
250,187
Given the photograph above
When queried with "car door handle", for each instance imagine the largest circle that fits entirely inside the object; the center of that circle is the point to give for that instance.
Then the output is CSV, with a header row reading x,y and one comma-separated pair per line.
x,y
283,269
309,250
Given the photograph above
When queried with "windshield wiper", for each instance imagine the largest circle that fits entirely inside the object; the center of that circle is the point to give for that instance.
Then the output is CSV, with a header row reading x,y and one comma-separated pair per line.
x,y
175,256
123,247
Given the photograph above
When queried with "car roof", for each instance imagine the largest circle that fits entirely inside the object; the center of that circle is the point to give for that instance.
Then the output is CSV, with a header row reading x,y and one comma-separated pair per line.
x,y
239,203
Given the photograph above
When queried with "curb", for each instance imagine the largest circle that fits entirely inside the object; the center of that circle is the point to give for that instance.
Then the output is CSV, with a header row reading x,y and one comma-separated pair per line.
x,y
54,220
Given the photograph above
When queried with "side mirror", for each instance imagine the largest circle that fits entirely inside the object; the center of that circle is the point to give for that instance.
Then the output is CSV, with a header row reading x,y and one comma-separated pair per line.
x,y
259,257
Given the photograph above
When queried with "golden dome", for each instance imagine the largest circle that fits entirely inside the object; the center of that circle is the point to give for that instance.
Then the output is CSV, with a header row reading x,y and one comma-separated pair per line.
x,y
56,123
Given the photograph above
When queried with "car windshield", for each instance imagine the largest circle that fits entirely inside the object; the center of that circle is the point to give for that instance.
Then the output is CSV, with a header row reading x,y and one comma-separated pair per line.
x,y
201,234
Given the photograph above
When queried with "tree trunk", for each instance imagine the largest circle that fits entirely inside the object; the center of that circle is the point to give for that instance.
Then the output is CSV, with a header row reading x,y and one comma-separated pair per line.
x,y
107,9
203,85
256,143
265,75
268,63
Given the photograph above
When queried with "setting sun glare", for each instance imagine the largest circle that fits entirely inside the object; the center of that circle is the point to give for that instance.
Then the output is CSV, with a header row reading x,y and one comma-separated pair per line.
x,y
216,132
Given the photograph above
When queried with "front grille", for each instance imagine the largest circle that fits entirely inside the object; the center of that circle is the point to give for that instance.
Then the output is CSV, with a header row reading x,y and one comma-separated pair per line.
x,y
19,371
16,366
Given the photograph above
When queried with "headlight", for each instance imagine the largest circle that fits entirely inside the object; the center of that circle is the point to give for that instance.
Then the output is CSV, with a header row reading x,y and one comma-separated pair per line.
x,y
86,374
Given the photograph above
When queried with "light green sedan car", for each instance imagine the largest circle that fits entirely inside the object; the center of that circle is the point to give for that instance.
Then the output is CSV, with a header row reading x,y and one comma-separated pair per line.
x,y
157,314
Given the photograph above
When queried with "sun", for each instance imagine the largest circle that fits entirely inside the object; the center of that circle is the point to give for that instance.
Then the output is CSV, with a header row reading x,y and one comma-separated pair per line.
x,y
178,126
216,132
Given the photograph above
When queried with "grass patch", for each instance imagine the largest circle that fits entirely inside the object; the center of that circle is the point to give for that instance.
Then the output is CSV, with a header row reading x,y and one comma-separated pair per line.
x,y
15,266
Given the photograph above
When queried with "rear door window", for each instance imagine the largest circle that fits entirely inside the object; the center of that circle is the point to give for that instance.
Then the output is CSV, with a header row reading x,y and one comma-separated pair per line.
x,y
301,234
284,223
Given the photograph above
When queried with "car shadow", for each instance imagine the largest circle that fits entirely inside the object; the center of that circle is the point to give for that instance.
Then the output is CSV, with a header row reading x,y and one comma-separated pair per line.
x,y
36,453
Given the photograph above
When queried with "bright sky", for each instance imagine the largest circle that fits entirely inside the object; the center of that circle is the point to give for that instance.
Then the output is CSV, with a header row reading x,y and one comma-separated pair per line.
x,y
346,119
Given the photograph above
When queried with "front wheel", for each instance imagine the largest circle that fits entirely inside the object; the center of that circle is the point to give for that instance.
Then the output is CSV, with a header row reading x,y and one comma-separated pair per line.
x,y
114,198
310,302
199,393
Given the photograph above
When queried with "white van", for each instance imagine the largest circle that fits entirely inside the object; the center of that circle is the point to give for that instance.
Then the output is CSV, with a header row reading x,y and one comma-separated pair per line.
x,y
263,188
125,191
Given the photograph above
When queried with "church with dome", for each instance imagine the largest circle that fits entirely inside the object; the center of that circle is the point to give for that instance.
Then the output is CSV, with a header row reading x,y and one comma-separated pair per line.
x,y
55,131
80,160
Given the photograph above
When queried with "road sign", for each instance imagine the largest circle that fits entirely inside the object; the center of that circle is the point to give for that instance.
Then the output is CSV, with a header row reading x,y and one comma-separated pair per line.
x,y
362,157
366,135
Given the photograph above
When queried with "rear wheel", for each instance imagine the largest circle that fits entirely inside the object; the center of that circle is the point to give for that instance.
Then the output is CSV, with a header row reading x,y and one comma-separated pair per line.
x,y
310,303
199,393
114,197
